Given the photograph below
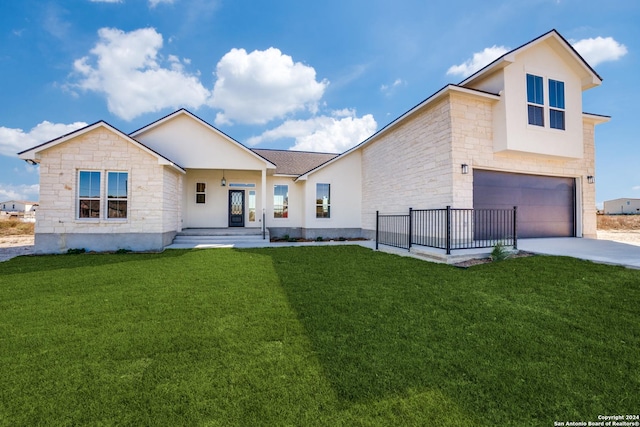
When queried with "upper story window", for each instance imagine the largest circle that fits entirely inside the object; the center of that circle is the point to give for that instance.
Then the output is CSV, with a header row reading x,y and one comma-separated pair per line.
x,y
281,201
536,102
556,104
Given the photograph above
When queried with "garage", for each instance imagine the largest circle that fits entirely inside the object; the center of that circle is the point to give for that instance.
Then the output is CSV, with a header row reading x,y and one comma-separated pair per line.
x,y
546,204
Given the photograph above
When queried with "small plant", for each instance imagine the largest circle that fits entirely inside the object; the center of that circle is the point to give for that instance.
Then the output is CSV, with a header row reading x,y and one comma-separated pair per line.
x,y
499,253
319,239
341,239
76,251
292,239
285,237
123,251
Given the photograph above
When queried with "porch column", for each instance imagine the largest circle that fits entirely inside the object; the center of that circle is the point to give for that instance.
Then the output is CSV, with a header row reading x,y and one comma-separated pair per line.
x,y
264,194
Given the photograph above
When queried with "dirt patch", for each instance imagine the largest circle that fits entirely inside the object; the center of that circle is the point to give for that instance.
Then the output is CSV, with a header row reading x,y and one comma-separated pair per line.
x,y
15,245
619,222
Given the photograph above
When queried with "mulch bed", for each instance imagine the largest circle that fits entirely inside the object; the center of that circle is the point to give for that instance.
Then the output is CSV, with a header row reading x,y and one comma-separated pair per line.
x,y
478,261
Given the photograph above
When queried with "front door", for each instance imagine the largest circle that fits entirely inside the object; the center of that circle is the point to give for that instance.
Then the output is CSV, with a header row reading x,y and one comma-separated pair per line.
x,y
236,208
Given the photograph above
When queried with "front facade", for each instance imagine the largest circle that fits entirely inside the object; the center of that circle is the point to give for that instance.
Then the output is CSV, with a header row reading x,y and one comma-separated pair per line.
x,y
18,206
622,207
513,134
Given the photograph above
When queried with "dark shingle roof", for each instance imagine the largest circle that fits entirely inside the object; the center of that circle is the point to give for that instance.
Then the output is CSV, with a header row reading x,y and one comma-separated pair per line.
x,y
294,162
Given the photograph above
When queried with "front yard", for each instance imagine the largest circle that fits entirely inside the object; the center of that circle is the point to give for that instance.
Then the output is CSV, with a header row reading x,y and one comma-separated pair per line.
x,y
314,336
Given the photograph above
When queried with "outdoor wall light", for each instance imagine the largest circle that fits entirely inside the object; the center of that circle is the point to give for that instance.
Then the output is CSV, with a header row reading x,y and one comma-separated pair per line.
x,y
223,182
591,179
465,168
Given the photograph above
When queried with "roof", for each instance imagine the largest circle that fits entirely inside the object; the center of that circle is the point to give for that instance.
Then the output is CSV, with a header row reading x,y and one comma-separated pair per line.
x,y
294,162
593,78
464,87
22,202
30,154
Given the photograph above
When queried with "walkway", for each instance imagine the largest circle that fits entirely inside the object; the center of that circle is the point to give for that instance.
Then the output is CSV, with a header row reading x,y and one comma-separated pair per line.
x,y
603,251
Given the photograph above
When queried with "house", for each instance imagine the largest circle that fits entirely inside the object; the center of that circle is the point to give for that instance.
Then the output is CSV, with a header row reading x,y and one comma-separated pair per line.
x,y
512,134
622,206
21,207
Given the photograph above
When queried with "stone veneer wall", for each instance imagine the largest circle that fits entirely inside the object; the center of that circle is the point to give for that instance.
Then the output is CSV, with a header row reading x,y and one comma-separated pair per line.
x,y
409,166
472,143
418,164
147,227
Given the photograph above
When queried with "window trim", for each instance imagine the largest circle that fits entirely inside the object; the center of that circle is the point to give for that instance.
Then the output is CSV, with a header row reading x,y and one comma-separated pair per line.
x,y
320,206
108,198
557,108
89,198
545,115
202,193
533,106
285,203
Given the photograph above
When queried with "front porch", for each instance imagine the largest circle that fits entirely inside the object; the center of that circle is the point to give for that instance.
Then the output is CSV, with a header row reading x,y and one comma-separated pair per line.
x,y
220,238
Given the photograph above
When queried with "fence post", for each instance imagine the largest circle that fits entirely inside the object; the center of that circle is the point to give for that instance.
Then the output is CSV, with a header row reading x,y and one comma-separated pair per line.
x,y
377,227
448,243
515,229
410,226
264,226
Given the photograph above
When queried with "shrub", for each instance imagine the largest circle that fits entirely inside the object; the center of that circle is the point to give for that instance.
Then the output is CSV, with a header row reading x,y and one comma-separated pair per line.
x,y
76,251
499,253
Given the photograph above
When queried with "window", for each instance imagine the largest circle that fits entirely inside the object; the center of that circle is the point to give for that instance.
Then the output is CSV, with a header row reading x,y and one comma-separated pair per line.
x,y
89,194
556,104
252,205
281,201
117,194
323,200
201,188
535,100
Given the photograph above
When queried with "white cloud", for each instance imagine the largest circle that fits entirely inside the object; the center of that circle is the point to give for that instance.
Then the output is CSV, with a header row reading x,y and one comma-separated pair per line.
x,y
324,133
263,85
12,141
389,90
126,68
106,1
19,192
478,61
154,3
636,188
600,49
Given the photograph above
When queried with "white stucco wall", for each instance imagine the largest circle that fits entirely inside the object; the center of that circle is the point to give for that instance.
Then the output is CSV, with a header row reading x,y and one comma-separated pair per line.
x,y
345,178
214,213
296,194
511,129
193,145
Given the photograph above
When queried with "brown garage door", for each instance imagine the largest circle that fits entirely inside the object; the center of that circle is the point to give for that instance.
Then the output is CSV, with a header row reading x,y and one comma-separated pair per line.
x,y
546,204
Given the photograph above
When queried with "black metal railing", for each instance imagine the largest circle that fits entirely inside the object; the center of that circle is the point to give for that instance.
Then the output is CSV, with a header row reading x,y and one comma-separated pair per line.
x,y
448,228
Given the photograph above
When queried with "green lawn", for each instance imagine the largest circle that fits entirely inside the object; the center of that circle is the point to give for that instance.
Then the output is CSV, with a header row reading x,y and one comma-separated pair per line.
x,y
314,336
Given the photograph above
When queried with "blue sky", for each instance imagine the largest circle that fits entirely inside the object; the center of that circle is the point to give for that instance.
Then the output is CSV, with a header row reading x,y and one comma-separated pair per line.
x,y
319,76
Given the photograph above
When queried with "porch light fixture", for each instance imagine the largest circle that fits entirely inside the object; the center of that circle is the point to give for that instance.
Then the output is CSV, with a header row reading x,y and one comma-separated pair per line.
x,y
223,182
465,168
591,179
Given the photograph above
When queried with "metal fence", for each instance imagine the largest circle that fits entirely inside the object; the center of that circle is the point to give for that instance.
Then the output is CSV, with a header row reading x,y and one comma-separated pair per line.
x,y
448,228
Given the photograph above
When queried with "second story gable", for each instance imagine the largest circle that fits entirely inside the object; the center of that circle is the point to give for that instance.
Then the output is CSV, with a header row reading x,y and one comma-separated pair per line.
x,y
540,107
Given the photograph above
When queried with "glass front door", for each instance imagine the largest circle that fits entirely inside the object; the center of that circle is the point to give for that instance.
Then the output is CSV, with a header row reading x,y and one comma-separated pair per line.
x,y
236,208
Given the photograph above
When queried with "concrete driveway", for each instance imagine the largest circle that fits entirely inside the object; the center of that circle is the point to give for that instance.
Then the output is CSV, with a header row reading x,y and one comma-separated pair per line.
x,y
604,251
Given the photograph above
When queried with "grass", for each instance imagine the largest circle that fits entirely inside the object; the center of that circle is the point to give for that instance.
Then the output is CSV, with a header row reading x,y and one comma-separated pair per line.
x,y
314,336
